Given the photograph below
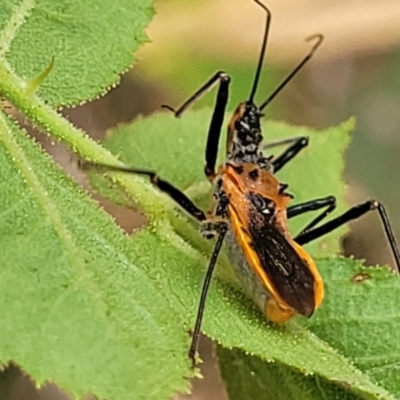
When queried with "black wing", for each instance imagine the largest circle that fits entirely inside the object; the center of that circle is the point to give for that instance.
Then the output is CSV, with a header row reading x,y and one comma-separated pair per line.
x,y
287,271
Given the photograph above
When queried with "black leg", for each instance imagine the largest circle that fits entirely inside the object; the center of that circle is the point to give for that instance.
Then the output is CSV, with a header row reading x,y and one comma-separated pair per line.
x,y
280,142
313,205
354,213
220,76
221,228
214,131
177,195
297,144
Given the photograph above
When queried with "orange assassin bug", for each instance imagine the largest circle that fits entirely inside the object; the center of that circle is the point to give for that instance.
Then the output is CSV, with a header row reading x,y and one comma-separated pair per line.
x,y
251,207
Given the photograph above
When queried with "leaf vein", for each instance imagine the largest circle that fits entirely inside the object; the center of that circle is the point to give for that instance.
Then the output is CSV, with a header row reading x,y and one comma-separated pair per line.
x,y
384,362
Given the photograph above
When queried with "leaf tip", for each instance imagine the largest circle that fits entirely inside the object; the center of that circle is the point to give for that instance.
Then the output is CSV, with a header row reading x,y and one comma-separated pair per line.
x,y
33,84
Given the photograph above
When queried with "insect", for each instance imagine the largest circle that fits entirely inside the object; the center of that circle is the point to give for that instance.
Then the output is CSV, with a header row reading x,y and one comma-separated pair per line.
x,y
250,207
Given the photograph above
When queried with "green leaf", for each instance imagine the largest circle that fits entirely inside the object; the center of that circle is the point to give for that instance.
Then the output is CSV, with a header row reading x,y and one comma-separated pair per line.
x,y
98,312
91,42
367,328
78,307
248,377
355,319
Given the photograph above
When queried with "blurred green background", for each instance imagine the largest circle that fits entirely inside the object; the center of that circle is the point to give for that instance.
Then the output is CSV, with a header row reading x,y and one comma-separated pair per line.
x,y
356,72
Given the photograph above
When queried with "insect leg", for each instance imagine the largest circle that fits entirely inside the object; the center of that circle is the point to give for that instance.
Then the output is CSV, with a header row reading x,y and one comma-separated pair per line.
x,y
221,228
274,143
220,76
297,144
177,195
313,205
214,131
354,213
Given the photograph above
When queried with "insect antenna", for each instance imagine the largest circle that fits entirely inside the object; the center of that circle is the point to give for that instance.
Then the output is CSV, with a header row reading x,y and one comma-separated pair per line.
x,y
262,53
319,38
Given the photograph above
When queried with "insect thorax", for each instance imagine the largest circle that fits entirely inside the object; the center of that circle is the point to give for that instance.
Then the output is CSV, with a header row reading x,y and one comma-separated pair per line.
x,y
248,154
244,138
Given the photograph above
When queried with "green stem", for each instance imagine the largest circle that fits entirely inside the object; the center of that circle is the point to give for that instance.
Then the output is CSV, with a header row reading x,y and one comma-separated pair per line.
x,y
44,117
